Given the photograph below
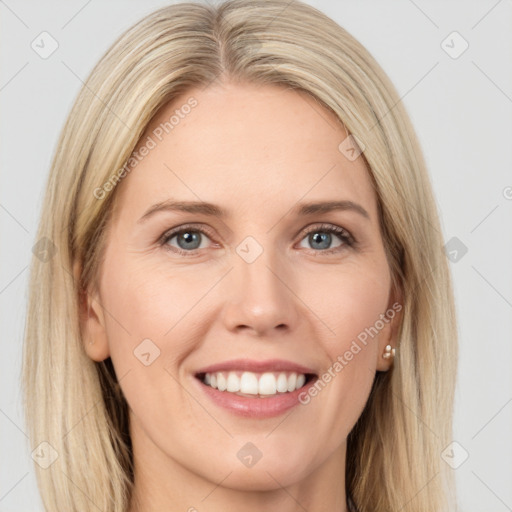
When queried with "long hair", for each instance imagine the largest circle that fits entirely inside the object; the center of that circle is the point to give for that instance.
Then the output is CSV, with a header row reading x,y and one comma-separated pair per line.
x,y
75,404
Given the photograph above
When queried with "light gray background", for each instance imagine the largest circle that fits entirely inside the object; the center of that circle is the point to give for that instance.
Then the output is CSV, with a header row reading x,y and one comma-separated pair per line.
x,y
461,109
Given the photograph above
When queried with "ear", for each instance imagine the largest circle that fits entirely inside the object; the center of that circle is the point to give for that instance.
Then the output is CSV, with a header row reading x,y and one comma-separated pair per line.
x,y
389,334
92,320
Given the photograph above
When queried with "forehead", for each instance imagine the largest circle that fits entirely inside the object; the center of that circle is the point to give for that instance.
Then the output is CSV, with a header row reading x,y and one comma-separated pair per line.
x,y
242,145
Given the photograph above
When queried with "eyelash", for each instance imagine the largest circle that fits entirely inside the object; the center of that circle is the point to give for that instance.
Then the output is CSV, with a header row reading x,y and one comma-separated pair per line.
x,y
347,239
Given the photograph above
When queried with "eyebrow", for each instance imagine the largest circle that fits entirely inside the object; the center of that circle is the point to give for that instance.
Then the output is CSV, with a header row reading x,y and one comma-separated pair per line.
x,y
213,210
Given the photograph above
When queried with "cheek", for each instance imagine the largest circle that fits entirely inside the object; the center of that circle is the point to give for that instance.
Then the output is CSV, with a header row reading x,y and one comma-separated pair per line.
x,y
149,330
148,302
350,306
155,320
349,300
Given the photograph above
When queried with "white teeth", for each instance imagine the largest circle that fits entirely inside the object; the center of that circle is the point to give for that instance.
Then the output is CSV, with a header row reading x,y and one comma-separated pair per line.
x,y
221,382
249,383
282,383
233,383
267,384
292,380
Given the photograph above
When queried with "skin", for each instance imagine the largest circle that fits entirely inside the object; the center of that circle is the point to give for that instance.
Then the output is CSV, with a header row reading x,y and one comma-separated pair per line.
x,y
256,151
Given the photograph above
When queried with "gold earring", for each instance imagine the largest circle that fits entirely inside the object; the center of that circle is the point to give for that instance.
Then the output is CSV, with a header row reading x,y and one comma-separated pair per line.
x,y
388,352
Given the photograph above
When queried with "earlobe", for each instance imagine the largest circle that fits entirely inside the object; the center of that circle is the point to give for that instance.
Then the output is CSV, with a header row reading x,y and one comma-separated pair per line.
x,y
94,332
92,322
386,355
388,341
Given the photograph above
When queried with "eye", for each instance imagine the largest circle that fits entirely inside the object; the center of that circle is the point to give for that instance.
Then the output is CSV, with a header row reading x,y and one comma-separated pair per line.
x,y
320,238
185,240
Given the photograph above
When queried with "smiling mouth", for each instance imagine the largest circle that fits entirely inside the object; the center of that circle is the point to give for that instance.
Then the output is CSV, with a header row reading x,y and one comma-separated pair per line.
x,y
255,384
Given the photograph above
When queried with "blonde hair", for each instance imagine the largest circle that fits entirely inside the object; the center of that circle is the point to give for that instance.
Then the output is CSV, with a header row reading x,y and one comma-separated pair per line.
x,y
74,404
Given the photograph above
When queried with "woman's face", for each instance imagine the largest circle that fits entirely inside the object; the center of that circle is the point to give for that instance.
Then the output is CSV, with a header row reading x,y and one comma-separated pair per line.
x,y
221,260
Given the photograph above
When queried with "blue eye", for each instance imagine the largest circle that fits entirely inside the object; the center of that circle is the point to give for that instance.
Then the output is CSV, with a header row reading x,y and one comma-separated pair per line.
x,y
189,239
321,238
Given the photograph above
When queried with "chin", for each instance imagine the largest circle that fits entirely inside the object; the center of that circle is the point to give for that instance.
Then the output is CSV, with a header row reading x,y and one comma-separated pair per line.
x,y
264,479
268,473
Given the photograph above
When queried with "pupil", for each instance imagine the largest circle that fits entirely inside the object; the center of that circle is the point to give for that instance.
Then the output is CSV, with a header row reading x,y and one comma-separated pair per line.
x,y
189,238
325,237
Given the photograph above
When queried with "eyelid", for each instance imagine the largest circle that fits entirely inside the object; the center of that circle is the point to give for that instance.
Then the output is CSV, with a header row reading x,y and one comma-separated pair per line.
x,y
331,228
342,233
179,229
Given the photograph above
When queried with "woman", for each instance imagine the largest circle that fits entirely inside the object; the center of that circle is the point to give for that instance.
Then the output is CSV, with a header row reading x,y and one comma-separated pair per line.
x,y
256,370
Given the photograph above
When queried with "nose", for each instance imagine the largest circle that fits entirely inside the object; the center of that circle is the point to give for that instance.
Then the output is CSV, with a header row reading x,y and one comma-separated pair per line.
x,y
260,297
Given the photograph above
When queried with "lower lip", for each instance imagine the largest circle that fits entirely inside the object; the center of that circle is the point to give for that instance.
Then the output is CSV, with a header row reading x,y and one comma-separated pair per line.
x,y
266,407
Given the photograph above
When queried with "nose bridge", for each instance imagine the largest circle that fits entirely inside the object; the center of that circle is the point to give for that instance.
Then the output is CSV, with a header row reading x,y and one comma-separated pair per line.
x,y
258,295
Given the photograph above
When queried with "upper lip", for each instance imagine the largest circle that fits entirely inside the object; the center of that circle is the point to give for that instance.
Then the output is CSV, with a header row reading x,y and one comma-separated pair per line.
x,y
269,365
